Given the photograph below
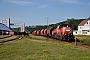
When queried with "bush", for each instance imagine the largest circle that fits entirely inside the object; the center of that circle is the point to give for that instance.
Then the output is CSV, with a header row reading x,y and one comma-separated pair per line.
x,y
83,39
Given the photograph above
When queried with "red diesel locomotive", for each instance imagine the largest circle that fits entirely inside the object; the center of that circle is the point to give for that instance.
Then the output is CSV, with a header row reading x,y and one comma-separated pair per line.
x,y
63,32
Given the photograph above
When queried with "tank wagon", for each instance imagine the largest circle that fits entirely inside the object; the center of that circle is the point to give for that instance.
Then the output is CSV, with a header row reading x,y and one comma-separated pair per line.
x,y
38,32
34,32
45,32
42,32
49,31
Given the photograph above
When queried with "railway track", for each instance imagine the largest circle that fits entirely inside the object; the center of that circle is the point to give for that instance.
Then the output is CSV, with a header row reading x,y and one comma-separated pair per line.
x,y
58,41
8,38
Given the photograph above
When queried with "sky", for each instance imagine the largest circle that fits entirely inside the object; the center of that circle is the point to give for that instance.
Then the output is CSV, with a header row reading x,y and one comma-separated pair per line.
x,y
35,12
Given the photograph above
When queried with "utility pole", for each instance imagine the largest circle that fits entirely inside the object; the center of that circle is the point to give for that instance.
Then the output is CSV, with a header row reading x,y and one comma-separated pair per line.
x,y
47,28
47,22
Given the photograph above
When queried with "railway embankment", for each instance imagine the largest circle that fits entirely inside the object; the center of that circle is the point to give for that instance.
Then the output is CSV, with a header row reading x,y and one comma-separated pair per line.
x,y
7,38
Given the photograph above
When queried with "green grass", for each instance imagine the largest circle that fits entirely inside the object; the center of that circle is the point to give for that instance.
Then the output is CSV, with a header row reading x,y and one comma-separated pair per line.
x,y
83,38
28,49
40,37
2,36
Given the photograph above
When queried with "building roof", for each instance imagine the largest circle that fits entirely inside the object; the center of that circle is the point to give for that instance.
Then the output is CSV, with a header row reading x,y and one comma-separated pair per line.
x,y
4,27
83,22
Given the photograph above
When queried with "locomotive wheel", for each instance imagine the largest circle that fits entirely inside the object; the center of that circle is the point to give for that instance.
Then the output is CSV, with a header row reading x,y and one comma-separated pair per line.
x,y
52,36
68,39
61,37
72,38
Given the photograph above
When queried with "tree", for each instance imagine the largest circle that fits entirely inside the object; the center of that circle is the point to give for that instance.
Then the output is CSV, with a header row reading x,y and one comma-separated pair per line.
x,y
89,18
72,22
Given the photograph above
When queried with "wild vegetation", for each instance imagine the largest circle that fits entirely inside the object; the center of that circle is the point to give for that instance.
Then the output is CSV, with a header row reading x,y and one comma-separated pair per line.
x,y
30,49
83,39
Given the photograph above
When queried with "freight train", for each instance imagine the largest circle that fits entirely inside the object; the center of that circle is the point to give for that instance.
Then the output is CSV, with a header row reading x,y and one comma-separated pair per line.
x,y
61,32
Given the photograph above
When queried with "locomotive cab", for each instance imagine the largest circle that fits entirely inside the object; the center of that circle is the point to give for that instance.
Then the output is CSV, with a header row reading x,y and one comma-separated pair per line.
x,y
63,32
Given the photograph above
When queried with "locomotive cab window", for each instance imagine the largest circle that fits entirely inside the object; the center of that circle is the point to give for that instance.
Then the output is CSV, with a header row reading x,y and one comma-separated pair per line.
x,y
66,25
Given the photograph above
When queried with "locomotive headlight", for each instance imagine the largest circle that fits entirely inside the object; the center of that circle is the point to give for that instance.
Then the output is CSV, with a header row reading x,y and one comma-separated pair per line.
x,y
67,30
65,34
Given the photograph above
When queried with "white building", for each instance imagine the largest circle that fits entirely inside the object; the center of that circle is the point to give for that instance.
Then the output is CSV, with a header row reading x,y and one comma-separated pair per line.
x,y
6,22
84,27
75,32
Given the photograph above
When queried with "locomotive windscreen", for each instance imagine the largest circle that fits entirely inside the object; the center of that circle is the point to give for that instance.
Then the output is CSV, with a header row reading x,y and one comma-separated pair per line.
x,y
65,25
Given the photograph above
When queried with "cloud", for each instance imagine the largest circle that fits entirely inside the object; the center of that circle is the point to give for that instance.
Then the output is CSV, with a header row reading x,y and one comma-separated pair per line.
x,y
19,2
75,17
71,1
43,6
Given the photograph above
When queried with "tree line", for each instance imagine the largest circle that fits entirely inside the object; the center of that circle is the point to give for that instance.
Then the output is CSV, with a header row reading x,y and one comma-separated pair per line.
x,y
72,22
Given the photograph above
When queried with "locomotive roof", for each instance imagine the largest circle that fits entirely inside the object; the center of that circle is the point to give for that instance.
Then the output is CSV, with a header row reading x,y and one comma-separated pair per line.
x,y
64,24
